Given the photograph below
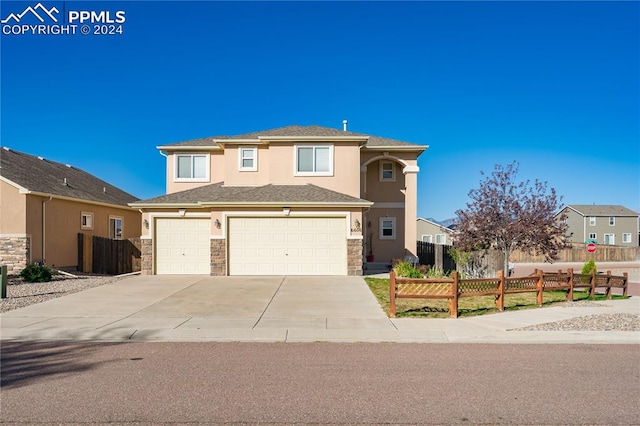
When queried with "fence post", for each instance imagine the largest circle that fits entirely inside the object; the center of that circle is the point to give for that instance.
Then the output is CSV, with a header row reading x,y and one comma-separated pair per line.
x,y
570,292
453,302
540,286
3,282
592,291
500,298
608,291
392,294
626,283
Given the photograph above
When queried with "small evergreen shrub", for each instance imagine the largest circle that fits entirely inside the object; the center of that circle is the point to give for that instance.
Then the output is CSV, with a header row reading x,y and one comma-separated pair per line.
x,y
36,274
406,270
586,270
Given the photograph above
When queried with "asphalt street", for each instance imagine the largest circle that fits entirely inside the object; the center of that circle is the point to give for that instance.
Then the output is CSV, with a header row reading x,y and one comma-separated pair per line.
x,y
322,383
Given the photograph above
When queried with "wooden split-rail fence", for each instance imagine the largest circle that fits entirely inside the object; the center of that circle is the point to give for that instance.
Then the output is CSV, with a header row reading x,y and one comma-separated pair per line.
x,y
452,289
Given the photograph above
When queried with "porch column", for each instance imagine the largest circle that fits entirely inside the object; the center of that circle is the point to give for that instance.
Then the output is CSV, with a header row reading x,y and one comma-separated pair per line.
x,y
410,208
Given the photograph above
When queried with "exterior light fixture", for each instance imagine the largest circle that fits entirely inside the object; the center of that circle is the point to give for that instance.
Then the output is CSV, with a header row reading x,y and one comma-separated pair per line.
x,y
145,223
217,223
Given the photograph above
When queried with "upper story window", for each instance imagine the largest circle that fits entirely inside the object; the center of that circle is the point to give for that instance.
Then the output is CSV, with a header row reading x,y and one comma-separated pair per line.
x,y
612,221
86,220
427,238
441,239
314,160
387,171
626,237
592,221
248,159
192,167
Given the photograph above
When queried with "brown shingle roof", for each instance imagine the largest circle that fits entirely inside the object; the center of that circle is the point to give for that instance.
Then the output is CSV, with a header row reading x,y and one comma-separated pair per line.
x,y
48,177
295,130
602,210
217,193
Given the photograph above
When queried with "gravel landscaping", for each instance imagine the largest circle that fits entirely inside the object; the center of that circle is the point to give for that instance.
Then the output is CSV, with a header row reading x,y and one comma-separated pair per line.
x,y
21,293
600,322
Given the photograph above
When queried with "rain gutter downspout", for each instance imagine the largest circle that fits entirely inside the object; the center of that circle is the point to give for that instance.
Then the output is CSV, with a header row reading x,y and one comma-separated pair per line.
x,y
44,226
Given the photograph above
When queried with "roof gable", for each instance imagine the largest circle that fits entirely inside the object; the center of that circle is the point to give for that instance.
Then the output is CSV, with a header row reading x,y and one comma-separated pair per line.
x,y
39,175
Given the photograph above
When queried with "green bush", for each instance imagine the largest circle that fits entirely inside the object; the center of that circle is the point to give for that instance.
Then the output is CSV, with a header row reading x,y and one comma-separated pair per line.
x,y
406,270
588,267
36,274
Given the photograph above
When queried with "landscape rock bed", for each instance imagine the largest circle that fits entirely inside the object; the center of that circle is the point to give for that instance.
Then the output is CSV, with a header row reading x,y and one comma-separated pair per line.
x,y
21,293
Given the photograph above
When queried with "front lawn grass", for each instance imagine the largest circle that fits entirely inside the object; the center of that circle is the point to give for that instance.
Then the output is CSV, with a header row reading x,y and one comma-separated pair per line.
x,y
468,306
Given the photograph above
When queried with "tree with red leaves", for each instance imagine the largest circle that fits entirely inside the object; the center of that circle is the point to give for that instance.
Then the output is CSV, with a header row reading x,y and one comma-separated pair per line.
x,y
506,215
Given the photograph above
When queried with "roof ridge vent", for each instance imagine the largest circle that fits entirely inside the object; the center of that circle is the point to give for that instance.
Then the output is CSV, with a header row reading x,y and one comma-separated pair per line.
x,y
68,165
40,158
6,148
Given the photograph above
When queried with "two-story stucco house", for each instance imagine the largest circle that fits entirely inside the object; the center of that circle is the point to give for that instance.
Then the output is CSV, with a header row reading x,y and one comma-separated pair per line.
x,y
296,200
612,225
45,204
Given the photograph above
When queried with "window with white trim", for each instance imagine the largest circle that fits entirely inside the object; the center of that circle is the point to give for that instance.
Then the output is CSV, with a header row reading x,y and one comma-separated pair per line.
x,y
387,171
593,236
248,159
441,239
592,221
612,221
86,220
427,238
387,228
609,239
626,237
192,168
316,160
115,227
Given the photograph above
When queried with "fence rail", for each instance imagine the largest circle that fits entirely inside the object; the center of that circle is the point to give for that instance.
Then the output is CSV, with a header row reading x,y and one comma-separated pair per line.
x,y
453,289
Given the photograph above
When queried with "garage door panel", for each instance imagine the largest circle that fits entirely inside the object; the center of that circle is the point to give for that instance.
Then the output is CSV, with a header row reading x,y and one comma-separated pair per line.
x,y
287,246
182,246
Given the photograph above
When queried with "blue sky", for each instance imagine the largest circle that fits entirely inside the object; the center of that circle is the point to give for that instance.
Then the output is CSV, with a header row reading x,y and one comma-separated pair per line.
x,y
552,85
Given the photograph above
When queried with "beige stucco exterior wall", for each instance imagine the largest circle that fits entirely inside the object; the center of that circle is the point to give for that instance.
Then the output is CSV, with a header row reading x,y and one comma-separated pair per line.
x,y
12,210
427,228
63,223
276,166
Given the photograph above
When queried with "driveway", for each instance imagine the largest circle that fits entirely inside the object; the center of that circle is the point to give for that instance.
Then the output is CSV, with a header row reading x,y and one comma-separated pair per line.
x,y
187,307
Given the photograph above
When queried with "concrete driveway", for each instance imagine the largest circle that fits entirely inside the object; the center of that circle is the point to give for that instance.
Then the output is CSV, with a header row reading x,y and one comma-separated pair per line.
x,y
189,307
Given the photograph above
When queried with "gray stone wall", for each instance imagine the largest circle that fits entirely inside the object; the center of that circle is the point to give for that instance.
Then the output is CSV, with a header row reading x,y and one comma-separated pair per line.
x,y
146,256
354,257
218,257
15,253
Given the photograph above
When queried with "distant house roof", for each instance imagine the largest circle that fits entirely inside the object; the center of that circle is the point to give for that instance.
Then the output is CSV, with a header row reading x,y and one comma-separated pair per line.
x,y
436,223
41,176
602,210
302,131
281,195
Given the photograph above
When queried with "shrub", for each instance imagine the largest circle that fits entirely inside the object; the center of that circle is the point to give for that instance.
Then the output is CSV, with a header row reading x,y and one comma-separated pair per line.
x,y
36,274
406,270
588,267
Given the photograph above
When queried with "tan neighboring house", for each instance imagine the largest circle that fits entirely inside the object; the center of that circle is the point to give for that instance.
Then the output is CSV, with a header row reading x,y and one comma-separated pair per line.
x,y
429,231
296,200
45,204
611,225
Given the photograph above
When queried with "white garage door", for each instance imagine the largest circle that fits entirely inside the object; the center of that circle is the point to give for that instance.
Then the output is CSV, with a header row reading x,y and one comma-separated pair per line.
x,y
183,246
287,246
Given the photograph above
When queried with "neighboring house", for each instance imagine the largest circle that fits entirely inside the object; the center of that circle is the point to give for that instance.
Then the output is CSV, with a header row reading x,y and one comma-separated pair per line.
x,y
429,231
612,225
44,205
296,200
